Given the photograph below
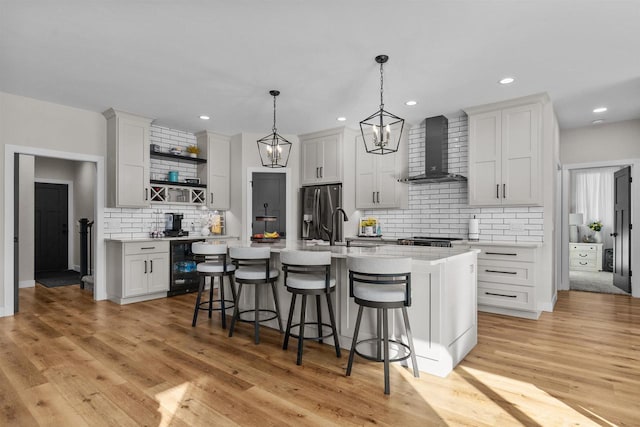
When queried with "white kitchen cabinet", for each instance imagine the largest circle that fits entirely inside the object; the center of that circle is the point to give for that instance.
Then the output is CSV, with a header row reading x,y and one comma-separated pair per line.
x,y
321,157
217,149
507,280
585,256
377,185
505,144
137,271
127,159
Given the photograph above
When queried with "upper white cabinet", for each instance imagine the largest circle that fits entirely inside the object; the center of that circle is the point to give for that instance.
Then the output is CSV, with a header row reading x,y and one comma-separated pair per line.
x,y
321,157
505,151
377,185
127,159
216,149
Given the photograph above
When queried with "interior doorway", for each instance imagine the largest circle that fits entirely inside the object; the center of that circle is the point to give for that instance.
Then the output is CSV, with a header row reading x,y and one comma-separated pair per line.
x,y
51,228
269,198
590,244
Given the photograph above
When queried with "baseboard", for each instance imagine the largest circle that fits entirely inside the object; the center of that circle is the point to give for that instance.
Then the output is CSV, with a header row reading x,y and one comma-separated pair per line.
x,y
26,283
549,305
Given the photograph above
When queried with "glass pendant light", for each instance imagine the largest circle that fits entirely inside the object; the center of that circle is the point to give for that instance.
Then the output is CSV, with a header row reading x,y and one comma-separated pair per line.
x,y
381,131
274,149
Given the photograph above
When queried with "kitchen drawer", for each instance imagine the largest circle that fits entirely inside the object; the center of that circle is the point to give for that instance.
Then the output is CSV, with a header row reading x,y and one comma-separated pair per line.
x,y
141,248
590,256
506,296
517,273
506,253
583,248
577,264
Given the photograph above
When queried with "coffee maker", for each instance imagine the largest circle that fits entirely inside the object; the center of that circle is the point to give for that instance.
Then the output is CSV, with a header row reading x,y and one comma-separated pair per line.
x,y
173,225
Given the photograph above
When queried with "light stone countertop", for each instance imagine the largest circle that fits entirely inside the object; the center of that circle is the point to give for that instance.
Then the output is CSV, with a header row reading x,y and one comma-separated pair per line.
x,y
168,239
432,255
497,243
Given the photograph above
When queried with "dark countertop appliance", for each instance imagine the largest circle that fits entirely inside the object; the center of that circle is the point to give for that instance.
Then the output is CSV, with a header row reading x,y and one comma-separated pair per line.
x,y
173,225
443,242
436,154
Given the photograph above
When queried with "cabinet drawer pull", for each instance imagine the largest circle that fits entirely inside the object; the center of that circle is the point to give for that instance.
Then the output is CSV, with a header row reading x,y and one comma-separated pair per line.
x,y
148,247
502,272
146,194
373,196
504,191
501,295
583,263
151,270
145,267
500,253
497,191
378,194
321,170
583,256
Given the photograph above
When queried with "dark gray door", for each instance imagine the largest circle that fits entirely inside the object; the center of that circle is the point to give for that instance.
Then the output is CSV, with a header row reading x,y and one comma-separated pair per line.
x,y
622,227
269,188
51,227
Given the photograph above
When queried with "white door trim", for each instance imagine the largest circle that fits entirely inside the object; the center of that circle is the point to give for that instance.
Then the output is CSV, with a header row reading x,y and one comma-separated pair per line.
x,y
100,289
635,217
70,214
249,202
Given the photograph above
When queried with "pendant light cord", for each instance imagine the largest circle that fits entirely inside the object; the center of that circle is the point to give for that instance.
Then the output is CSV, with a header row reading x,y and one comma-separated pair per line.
x,y
381,87
274,115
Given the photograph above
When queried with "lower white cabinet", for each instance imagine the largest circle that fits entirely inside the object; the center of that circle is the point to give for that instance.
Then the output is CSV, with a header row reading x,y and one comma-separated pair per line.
x,y
585,256
507,280
137,271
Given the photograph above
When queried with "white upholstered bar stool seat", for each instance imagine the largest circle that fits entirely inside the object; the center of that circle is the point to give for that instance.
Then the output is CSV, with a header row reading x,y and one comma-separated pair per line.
x,y
382,283
253,267
309,273
214,265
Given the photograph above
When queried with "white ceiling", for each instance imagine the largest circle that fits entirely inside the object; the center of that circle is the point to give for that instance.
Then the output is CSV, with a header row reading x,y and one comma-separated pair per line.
x,y
174,60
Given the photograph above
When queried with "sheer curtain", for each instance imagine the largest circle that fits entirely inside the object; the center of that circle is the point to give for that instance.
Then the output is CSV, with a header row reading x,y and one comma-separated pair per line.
x,y
592,195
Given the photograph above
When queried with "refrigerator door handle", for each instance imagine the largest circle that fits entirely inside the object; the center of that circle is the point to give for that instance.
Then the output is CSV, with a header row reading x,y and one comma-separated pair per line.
x,y
316,210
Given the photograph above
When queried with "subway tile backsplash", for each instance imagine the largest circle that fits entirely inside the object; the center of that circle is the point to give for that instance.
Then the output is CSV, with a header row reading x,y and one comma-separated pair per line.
x,y
442,210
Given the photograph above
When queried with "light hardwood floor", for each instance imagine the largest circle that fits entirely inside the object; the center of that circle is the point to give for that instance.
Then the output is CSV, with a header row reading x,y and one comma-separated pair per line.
x,y
68,361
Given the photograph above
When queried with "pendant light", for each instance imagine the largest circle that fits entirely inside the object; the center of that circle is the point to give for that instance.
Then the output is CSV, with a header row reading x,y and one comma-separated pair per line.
x,y
274,150
381,131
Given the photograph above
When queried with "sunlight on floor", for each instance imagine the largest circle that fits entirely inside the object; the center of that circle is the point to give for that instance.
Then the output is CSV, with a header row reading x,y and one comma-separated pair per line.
x,y
498,398
170,401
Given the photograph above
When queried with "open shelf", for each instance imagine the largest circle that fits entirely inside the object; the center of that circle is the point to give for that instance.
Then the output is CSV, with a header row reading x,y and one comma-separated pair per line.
x,y
177,184
178,157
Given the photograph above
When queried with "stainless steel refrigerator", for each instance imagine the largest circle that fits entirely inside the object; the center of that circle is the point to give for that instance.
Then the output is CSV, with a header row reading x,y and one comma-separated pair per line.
x,y
318,204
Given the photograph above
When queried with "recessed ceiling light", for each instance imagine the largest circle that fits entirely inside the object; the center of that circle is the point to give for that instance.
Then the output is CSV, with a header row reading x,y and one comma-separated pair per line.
x,y
341,119
507,80
205,117
411,103
597,122
600,110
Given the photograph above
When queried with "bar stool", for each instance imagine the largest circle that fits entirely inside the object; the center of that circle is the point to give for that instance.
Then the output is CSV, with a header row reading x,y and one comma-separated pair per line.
x,y
382,283
308,273
215,265
252,268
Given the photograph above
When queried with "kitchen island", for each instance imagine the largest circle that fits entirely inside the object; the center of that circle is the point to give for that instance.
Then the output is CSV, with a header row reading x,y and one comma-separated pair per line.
x,y
443,313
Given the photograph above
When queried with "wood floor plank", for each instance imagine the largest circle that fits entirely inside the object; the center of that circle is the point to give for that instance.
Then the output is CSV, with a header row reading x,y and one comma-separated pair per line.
x,y
67,360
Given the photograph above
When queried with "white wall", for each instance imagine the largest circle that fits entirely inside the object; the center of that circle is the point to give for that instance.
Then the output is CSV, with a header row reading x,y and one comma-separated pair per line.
x,y
597,143
26,273
29,122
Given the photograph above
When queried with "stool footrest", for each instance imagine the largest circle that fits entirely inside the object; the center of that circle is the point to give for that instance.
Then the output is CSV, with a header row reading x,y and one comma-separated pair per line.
x,y
312,338
262,310
204,305
381,359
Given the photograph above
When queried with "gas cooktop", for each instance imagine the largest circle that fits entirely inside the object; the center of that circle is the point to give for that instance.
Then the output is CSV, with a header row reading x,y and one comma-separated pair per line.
x,y
428,241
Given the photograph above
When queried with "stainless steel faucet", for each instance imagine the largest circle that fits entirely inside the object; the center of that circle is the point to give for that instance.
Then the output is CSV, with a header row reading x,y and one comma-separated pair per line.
x,y
332,235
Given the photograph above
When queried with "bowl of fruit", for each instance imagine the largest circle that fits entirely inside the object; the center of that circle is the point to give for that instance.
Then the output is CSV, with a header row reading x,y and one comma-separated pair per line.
x,y
266,237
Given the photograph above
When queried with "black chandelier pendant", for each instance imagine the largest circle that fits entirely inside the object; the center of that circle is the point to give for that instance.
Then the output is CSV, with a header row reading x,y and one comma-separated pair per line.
x,y
274,149
382,131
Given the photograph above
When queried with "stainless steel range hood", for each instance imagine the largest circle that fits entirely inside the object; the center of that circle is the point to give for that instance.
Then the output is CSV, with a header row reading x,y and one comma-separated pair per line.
x,y
436,154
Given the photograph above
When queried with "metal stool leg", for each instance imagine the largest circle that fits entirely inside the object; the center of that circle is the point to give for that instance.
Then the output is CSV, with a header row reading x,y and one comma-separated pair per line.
x,y
319,317
223,312
333,325
277,303
236,311
416,373
352,352
301,329
256,310
211,283
379,333
386,350
197,309
290,319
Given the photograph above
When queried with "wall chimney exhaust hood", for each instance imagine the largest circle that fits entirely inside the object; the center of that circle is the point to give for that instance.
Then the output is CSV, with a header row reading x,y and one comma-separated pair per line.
x,y
436,154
